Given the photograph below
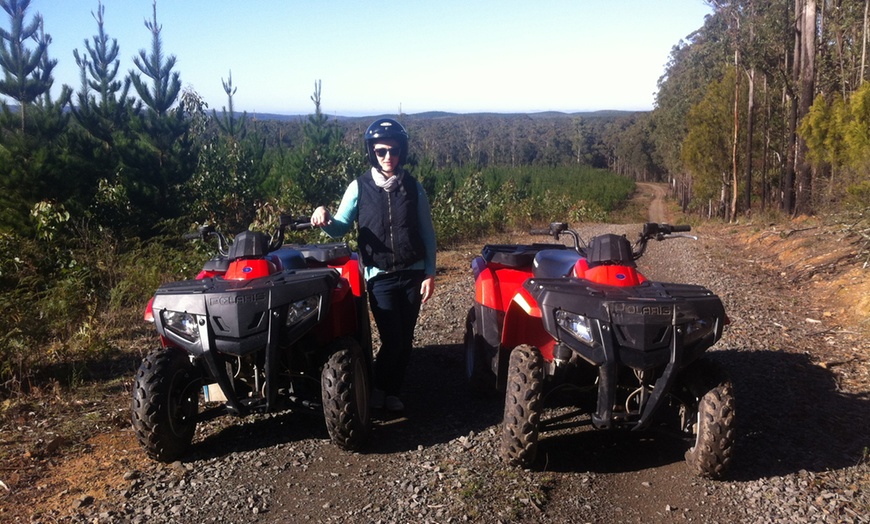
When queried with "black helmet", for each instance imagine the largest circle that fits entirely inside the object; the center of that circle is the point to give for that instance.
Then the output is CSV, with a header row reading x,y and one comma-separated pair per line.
x,y
386,128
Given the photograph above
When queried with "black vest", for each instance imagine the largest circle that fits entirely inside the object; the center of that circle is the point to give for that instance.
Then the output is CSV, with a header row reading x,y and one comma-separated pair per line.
x,y
389,232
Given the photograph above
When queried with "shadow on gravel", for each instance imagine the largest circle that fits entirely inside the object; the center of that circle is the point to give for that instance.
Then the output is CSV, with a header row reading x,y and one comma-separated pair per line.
x,y
792,416
258,432
438,408
438,404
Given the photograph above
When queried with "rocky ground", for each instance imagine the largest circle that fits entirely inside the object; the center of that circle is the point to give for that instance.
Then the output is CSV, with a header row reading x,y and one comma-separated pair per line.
x,y
796,348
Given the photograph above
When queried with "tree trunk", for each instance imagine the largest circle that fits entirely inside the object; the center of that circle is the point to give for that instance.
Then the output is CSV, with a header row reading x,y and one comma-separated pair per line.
x,y
803,172
750,126
788,181
864,41
732,210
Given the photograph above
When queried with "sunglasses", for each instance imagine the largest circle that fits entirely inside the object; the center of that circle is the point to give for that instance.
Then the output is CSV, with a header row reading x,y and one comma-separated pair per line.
x,y
382,151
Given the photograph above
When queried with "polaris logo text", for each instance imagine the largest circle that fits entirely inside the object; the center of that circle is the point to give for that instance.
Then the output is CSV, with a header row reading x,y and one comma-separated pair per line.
x,y
237,299
637,309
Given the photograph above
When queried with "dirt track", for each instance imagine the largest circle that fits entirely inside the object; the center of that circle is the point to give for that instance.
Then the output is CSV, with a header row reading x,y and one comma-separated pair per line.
x,y
801,383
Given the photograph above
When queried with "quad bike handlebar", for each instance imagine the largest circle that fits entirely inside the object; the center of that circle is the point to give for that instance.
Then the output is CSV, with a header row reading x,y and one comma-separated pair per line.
x,y
650,231
276,240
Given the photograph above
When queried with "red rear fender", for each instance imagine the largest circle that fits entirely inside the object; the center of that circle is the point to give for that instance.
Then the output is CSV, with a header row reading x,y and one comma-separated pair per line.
x,y
494,288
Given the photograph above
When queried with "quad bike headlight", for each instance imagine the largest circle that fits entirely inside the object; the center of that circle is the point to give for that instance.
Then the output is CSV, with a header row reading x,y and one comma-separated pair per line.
x,y
578,326
182,324
698,329
302,310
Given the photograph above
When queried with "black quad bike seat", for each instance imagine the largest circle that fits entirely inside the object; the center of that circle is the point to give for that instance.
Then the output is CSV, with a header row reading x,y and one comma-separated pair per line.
x,y
554,263
321,252
516,255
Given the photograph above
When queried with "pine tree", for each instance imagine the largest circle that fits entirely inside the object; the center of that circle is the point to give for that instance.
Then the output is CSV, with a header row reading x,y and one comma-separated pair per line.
x,y
20,64
33,166
159,158
103,111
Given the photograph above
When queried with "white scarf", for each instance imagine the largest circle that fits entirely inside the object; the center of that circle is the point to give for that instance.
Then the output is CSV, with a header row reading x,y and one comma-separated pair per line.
x,y
388,184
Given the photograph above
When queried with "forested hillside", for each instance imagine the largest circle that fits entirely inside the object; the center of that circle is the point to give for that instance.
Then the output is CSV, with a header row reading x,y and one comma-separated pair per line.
x,y
766,106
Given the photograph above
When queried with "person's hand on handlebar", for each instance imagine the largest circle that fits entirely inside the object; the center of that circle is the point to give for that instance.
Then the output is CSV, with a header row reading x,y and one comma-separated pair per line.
x,y
321,217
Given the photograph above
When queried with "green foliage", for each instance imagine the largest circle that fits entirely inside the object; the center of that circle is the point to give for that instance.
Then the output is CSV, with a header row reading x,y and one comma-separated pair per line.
x,y
837,134
318,172
157,155
707,147
230,167
468,203
22,80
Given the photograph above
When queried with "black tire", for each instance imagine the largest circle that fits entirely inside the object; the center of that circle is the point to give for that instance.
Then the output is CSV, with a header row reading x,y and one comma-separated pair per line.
x,y
165,403
345,388
481,379
523,406
714,426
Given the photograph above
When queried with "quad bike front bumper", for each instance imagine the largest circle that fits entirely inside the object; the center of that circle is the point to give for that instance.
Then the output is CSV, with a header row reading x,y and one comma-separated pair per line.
x,y
655,328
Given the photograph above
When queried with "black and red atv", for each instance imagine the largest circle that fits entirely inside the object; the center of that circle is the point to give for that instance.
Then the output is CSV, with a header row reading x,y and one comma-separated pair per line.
x,y
551,323
264,327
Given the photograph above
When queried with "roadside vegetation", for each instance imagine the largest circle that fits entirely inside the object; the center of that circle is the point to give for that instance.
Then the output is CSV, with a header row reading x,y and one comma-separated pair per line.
x,y
98,184
99,181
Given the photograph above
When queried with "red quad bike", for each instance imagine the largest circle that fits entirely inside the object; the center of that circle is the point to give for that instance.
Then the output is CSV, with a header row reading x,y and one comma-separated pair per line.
x,y
264,327
553,323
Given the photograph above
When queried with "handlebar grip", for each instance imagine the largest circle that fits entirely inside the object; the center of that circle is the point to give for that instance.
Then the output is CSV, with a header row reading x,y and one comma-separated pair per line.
x,y
191,236
543,232
300,226
681,229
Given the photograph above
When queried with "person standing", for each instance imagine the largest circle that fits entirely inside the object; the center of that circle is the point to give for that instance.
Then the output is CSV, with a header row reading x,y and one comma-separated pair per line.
x,y
397,247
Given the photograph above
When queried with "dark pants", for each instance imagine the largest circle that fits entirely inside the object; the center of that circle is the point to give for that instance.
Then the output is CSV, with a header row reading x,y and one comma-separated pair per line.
x,y
395,302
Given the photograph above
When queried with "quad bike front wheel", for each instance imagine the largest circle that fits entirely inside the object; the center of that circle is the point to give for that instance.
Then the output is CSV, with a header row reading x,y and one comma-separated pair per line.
x,y
165,403
523,406
713,428
345,388
481,379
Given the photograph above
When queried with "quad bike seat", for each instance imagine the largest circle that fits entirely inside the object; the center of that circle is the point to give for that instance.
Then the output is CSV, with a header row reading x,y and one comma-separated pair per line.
x,y
290,258
515,255
321,252
218,264
554,263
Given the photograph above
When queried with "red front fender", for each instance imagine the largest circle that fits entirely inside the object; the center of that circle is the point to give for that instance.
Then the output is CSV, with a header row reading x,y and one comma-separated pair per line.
x,y
523,325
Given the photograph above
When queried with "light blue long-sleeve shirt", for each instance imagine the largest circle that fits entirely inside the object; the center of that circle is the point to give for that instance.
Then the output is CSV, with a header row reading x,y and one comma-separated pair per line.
x,y
348,213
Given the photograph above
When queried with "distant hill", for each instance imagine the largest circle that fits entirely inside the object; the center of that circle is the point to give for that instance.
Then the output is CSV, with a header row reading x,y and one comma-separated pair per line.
x,y
435,115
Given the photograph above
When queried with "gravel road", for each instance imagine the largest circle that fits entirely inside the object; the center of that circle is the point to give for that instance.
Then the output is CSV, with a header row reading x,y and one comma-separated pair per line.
x,y
800,454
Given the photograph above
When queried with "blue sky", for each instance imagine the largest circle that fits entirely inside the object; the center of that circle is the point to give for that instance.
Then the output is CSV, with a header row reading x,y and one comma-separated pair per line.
x,y
372,58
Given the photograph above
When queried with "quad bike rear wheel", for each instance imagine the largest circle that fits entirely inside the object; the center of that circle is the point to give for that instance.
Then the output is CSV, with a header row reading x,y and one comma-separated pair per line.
x,y
523,406
345,389
713,428
480,377
165,403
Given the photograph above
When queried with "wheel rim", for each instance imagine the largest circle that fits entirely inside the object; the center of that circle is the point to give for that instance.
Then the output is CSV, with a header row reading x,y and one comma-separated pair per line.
x,y
183,402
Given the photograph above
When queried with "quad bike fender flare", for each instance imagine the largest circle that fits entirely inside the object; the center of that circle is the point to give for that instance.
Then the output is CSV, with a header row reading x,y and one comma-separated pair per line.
x,y
352,272
523,325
